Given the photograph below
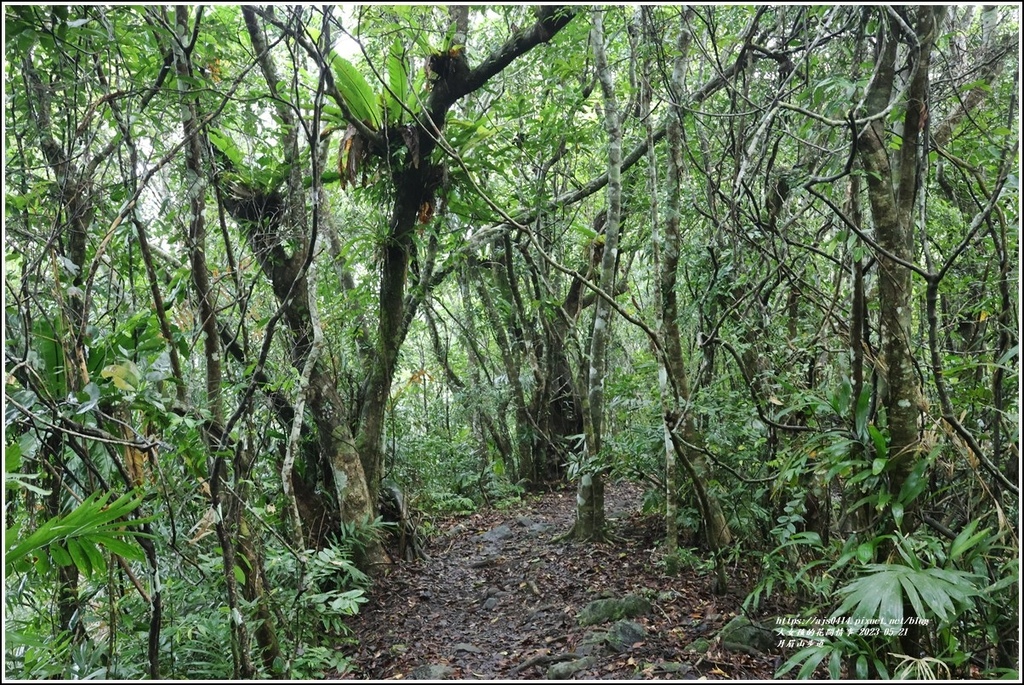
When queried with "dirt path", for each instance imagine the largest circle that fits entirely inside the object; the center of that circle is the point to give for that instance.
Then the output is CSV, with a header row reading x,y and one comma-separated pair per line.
x,y
499,599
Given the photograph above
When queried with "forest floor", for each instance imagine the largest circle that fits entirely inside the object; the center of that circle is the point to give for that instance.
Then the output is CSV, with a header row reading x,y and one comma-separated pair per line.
x,y
499,596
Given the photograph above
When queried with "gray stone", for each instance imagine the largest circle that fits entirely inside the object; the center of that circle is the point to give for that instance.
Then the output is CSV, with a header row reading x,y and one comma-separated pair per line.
x,y
742,631
567,669
592,643
678,667
467,647
431,672
490,603
501,532
538,529
619,637
605,610
624,634
667,596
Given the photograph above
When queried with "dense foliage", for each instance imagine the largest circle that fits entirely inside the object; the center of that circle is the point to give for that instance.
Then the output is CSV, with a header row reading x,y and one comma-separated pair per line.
x,y
278,278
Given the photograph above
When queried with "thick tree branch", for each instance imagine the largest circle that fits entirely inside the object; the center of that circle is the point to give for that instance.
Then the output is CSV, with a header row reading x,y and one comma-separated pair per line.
x,y
550,20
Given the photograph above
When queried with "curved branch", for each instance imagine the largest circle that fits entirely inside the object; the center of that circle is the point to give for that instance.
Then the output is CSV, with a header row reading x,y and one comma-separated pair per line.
x,y
550,20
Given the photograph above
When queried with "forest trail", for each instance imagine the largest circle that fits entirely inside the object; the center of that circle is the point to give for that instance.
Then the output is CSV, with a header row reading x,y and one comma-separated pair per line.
x,y
499,598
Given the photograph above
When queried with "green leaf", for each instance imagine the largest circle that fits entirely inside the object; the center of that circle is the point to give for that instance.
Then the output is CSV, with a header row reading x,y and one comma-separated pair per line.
x,y
46,342
1008,355
12,458
92,393
890,602
356,92
239,575
79,557
398,82
125,376
866,552
13,481
809,656
840,400
807,670
881,444
933,593
227,146
897,513
122,548
835,665
913,595
914,484
966,540
96,558
861,668
94,521
861,412
60,555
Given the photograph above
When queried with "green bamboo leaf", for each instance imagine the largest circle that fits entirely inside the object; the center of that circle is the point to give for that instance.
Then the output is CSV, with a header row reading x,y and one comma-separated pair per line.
x,y
881,445
79,557
807,670
121,548
96,558
966,540
835,665
861,667
60,555
861,412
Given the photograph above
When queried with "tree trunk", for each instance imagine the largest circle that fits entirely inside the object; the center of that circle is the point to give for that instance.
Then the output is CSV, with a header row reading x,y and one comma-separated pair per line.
x,y
590,497
674,379
221,499
893,193
349,458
